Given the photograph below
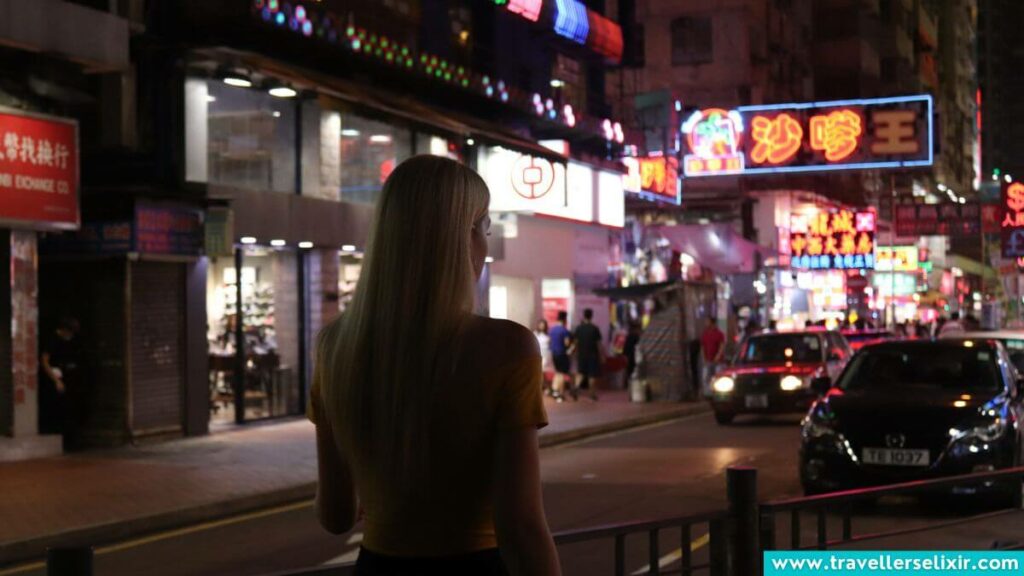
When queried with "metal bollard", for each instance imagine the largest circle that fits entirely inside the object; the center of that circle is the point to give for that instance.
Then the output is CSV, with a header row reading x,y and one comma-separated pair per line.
x,y
741,490
69,562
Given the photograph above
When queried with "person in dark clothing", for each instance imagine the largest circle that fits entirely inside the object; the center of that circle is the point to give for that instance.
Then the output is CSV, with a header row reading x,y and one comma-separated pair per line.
x,y
560,341
59,378
629,349
589,354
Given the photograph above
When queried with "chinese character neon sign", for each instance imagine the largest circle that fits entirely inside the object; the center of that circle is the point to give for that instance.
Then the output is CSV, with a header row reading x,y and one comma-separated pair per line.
x,y
654,178
842,240
529,9
714,137
811,137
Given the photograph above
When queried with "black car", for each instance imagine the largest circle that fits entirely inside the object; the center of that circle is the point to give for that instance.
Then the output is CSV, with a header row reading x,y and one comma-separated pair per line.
x,y
912,410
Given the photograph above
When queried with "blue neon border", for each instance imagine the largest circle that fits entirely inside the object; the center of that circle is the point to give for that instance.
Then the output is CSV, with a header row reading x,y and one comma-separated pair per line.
x,y
833,167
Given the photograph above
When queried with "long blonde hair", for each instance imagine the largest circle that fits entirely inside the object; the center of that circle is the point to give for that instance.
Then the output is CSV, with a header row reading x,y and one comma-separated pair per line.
x,y
380,363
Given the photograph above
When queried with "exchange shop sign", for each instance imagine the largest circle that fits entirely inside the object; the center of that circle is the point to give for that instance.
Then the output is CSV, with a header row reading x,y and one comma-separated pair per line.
x,y
38,171
841,240
1011,222
810,137
946,219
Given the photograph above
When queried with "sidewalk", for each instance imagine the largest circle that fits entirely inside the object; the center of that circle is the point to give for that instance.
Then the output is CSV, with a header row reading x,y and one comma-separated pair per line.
x,y
100,497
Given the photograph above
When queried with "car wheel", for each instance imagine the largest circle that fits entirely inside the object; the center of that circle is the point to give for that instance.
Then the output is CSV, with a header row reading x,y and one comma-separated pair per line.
x,y
724,417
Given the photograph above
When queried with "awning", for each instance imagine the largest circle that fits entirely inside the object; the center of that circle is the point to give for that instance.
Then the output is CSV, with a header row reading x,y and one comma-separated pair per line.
x,y
715,246
637,292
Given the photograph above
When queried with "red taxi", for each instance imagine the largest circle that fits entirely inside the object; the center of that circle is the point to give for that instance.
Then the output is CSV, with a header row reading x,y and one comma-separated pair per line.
x,y
772,373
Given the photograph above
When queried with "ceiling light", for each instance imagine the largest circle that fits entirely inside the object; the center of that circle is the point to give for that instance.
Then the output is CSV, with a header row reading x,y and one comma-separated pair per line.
x,y
348,248
380,139
305,244
277,243
211,98
350,133
277,114
238,81
470,142
942,187
248,240
488,259
556,83
283,92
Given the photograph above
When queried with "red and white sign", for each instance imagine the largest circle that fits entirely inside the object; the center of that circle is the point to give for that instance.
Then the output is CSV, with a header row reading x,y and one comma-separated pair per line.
x,y
532,177
38,172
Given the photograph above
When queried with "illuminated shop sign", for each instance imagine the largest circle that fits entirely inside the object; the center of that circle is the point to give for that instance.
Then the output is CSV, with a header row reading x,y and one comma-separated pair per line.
x,y
838,240
810,137
904,284
38,172
905,258
528,184
1011,224
946,219
655,178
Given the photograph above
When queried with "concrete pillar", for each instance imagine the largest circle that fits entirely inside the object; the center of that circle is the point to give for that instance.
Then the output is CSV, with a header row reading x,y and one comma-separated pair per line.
x,y
19,345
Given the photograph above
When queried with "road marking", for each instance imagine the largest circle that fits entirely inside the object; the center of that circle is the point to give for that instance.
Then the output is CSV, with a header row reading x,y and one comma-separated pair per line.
x,y
675,555
136,542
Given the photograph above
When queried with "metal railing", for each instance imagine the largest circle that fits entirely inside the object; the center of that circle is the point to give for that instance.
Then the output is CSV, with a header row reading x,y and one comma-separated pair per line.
x,y
736,536
843,503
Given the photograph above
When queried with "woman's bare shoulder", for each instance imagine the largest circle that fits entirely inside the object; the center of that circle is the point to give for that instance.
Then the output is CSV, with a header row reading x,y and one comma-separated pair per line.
x,y
500,342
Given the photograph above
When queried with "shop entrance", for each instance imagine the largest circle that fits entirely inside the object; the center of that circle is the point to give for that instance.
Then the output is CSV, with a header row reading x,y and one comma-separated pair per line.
x,y
260,308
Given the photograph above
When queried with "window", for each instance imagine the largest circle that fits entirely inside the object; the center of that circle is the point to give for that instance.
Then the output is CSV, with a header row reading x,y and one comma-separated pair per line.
x,y
691,40
239,137
357,155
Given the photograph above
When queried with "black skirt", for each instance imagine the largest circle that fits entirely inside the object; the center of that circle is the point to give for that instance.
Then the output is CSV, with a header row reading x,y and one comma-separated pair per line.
x,y
481,563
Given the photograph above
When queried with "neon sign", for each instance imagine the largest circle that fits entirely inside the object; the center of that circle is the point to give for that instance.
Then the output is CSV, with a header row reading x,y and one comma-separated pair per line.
x,y
571,21
714,137
842,240
1012,223
529,9
811,137
654,178
906,259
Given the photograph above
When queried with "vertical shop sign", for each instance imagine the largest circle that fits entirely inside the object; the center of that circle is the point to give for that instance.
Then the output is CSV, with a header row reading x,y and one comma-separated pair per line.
x,y
38,172
1011,223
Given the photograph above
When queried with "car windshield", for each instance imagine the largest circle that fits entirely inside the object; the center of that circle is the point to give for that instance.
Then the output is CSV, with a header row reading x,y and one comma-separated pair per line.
x,y
936,367
781,348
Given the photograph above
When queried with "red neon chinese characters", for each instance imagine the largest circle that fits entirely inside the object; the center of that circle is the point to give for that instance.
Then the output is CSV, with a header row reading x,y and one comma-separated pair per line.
x,y
836,133
895,132
777,139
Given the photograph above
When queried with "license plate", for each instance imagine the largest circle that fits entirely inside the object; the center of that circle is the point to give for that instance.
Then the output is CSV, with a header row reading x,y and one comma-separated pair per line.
x,y
757,401
895,457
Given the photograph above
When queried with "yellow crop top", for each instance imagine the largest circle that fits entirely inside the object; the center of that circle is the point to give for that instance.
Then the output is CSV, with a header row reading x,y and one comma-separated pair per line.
x,y
458,516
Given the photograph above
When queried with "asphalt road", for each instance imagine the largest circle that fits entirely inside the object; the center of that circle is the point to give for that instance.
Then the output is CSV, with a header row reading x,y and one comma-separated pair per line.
x,y
669,469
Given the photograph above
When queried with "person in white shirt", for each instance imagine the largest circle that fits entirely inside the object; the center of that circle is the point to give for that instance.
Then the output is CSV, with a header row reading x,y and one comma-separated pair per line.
x,y
544,341
952,327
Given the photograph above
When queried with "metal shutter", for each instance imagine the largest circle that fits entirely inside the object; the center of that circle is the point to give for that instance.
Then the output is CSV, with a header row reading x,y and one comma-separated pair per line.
x,y
157,362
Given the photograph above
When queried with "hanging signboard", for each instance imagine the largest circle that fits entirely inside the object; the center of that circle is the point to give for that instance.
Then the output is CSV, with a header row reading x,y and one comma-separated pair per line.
x,y
1011,222
946,219
896,258
810,137
38,172
841,239
654,178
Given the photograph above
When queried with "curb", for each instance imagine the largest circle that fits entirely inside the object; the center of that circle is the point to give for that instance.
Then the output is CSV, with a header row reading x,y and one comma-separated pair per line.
x,y
557,439
33,549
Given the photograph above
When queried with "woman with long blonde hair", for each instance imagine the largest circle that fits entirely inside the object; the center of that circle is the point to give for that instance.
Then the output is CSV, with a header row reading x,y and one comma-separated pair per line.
x,y
426,414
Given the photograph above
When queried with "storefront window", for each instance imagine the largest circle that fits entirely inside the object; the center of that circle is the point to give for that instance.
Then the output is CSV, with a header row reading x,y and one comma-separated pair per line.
x,y
239,137
350,264
270,326
367,152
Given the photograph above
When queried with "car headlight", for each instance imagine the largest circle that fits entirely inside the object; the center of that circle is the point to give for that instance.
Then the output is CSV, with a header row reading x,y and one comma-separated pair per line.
x,y
790,383
984,432
723,385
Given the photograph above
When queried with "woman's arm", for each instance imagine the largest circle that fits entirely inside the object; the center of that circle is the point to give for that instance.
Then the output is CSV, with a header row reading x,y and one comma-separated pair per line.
x,y
44,359
522,529
335,493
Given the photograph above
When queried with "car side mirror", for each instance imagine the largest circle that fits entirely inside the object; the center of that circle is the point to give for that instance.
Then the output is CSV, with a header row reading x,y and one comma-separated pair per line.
x,y
821,385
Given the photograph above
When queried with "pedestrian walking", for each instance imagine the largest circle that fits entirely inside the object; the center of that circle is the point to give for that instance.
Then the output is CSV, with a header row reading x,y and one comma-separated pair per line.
x,y
544,342
951,327
561,347
590,354
427,415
